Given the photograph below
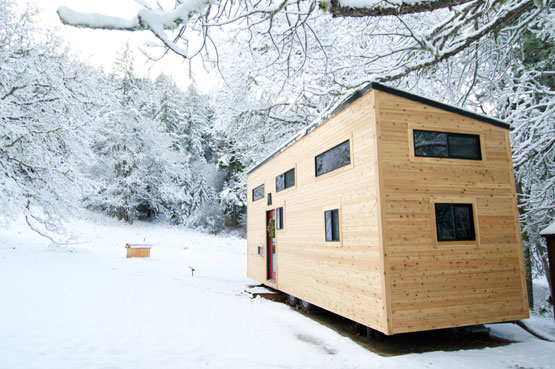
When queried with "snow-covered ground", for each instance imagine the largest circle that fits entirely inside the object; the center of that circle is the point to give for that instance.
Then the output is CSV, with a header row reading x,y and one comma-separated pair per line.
x,y
87,306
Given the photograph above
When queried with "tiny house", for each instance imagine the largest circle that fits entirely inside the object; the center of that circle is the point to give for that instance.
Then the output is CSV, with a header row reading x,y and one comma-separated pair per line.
x,y
395,211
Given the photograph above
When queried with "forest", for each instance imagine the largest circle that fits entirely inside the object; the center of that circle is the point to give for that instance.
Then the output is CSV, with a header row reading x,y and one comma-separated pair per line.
x,y
136,147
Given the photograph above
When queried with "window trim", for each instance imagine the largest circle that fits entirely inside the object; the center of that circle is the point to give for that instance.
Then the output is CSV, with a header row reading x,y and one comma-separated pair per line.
x,y
449,160
280,220
338,243
340,169
263,192
455,200
294,169
450,155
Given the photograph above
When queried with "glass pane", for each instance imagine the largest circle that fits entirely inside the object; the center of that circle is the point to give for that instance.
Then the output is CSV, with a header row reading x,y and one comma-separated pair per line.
x,y
430,143
335,221
290,178
258,193
334,158
329,225
464,223
464,146
445,222
279,218
280,184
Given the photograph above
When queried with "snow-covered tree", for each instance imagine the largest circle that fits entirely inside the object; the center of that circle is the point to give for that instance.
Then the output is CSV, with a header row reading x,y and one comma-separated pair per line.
x,y
46,111
136,168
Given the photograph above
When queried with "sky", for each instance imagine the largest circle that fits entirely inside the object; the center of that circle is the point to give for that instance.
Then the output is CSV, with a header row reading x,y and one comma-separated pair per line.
x,y
100,48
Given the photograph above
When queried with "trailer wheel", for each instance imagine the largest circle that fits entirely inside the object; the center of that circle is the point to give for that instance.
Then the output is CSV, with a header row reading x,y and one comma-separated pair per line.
x,y
306,306
292,300
374,335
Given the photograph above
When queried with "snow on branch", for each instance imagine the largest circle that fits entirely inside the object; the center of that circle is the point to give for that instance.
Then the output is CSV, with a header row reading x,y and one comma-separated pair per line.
x,y
377,8
155,20
97,21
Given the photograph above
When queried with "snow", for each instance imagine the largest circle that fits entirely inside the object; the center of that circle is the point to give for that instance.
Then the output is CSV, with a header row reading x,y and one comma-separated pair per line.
x,y
549,230
87,306
69,16
376,3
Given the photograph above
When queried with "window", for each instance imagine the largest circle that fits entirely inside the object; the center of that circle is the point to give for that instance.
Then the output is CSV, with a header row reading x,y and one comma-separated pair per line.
x,y
334,158
285,180
279,218
446,145
331,220
454,222
258,193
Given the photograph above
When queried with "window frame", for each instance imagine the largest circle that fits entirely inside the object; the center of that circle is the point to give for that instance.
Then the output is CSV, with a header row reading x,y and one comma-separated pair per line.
x,y
349,140
279,218
450,155
455,201
287,185
339,241
255,188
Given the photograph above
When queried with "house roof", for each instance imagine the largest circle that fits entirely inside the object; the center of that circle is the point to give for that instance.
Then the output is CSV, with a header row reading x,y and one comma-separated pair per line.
x,y
550,230
378,86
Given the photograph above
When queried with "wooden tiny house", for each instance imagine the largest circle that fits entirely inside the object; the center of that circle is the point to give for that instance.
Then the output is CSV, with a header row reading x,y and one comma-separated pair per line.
x,y
396,211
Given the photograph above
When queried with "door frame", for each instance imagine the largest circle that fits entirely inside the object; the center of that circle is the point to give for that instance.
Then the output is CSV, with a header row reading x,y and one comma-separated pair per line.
x,y
271,255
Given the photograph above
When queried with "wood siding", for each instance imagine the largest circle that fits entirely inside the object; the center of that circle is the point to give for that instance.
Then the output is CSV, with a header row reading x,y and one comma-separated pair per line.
x,y
344,277
447,284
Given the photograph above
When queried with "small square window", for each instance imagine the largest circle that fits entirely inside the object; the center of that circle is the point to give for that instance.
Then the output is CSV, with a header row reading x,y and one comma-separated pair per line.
x,y
454,222
331,220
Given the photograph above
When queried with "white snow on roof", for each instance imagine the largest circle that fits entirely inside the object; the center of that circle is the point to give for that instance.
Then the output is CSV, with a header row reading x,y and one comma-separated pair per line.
x,y
549,230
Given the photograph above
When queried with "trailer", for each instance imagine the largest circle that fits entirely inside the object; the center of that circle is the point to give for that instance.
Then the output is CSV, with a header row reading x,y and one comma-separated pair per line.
x,y
395,211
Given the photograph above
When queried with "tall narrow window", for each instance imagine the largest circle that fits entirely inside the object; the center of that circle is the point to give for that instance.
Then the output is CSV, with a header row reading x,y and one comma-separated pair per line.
x,y
279,218
454,222
258,193
331,220
334,158
285,180
446,145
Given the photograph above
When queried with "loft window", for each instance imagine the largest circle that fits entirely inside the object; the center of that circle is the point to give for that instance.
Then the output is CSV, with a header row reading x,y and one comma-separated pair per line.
x,y
331,220
446,145
285,180
334,158
279,218
258,193
454,222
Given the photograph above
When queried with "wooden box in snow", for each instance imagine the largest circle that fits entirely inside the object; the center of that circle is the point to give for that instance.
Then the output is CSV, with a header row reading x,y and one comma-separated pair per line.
x,y
138,250
395,211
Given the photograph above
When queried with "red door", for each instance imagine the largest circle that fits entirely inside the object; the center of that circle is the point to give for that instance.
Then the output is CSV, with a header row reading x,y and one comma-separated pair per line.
x,y
271,245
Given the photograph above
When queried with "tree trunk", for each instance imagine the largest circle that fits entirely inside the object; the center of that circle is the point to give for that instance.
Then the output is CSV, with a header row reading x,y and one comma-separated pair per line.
x,y
130,215
234,216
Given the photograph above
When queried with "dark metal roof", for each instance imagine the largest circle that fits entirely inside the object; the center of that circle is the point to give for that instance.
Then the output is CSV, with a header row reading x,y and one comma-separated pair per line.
x,y
390,90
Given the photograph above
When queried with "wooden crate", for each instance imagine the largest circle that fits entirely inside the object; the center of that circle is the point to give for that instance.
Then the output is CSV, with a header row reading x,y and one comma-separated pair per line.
x,y
138,250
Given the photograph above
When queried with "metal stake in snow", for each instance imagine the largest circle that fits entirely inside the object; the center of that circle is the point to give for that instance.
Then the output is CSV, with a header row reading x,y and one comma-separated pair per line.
x,y
192,271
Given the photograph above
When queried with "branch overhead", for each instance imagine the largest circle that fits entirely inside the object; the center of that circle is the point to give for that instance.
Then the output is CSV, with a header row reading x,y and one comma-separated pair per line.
x,y
378,8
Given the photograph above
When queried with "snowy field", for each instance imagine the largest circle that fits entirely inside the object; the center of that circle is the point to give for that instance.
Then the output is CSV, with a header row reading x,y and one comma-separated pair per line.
x,y
87,306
